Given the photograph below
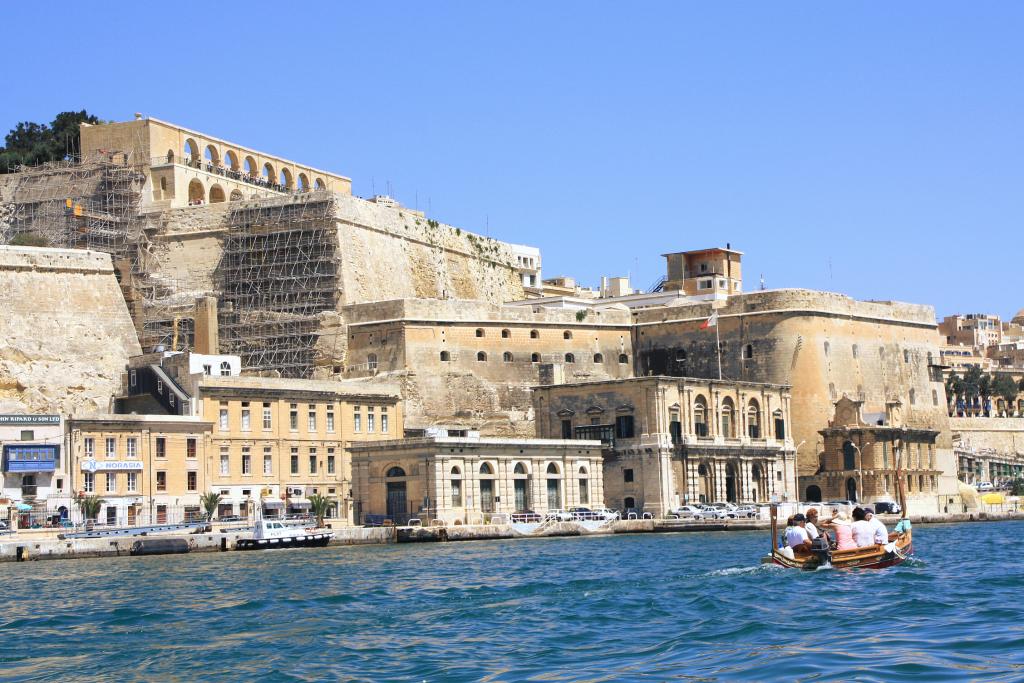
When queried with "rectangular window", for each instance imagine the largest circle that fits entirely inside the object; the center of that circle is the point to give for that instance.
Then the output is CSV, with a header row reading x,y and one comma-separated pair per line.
x,y
293,417
223,416
624,426
161,514
295,461
931,456
89,482
456,493
268,460
192,480
780,428
627,475
111,482
161,480
90,447
566,429
268,422
133,482
311,417
28,435
132,447
369,419
246,460
312,461
885,455
330,461
161,447
207,370
225,461
383,419
330,418
246,417
111,447
357,420
190,447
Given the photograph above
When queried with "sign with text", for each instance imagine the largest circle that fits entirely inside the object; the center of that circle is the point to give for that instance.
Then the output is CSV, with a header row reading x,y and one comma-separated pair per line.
x,y
93,465
7,420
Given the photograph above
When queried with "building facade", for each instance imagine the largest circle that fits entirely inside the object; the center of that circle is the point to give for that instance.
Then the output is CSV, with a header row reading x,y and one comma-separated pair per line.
x,y
35,481
460,480
673,441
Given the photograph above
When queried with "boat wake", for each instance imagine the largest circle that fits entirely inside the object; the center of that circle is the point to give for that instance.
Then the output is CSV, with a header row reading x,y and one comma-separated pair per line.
x,y
736,571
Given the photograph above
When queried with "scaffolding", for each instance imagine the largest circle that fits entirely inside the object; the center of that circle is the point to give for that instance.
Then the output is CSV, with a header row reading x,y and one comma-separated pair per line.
x,y
278,273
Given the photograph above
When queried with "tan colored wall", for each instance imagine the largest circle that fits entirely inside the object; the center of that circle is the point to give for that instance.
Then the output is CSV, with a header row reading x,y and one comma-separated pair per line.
x,y
1004,435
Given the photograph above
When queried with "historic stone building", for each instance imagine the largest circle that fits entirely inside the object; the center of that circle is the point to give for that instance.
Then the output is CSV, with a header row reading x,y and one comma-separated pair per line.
x,y
465,480
672,441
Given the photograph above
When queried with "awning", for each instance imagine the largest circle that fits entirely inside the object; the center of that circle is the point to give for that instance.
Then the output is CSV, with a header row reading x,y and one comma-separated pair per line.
x,y
299,504
273,504
22,507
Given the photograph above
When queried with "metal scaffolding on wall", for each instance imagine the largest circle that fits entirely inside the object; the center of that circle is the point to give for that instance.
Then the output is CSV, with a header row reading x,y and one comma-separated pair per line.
x,y
278,273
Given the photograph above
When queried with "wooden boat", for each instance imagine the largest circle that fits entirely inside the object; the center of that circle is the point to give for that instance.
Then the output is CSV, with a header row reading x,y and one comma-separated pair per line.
x,y
899,548
271,533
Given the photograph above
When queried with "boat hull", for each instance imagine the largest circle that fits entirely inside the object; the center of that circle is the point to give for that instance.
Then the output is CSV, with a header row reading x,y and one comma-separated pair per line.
x,y
872,557
298,541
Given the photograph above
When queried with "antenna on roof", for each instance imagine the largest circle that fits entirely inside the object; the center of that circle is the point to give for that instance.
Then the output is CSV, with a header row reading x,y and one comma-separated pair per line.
x,y
762,281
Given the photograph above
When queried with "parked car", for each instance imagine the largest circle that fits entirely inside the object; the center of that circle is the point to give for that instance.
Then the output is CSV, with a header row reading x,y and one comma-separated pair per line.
x,y
582,514
887,507
688,512
560,515
747,512
604,514
526,517
984,486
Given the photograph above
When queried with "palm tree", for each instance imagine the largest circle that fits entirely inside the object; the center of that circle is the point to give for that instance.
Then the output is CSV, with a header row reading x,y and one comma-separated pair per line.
x,y
319,505
90,506
210,500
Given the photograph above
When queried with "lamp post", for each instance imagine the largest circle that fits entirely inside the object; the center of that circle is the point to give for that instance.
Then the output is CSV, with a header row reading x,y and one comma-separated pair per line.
x,y
860,466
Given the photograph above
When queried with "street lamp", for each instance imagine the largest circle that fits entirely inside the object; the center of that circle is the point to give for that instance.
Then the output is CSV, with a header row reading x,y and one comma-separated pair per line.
x,y
796,470
860,466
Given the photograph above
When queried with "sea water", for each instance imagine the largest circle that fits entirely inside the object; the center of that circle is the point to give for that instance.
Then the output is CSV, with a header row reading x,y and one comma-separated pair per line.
x,y
655,607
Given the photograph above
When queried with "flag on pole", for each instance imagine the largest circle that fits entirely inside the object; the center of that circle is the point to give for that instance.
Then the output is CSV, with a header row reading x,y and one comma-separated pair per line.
x,y
710,322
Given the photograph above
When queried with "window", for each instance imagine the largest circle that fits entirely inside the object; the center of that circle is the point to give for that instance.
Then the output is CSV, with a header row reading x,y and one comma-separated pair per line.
x,y
160,387
505,334
856,351
246,418
780,425
935,397
885,456
849,456
534,357
357,420
569,358
383,419
507,357
534,334
330,461
369,419
705,284
906,356
623,359
584,489
207,370
225,369
161,480
598,358
700,417
191,480
311,417
445,356
312,461
827,348
293,417
727,421
111,482
913,397
133,482
479,332
190,447
223,416
111,447
133,378
246,461
330,418
624,426
567,335
931,456
566,429
89,482
748,352
268,460
161,447
371,362
627,475
481,356
456,488
90,447
295,461
267,417
225,461
754,420
132,447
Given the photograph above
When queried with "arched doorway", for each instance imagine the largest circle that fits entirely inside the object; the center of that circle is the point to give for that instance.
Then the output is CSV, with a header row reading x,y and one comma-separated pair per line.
x,y
216,194
397,506
757,492
486,488
813,494
520,488
705,485
196,192
851,490
730,483
236,195
554,487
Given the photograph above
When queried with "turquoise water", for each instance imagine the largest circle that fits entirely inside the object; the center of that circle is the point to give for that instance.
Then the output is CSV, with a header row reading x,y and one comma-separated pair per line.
x,y
626,608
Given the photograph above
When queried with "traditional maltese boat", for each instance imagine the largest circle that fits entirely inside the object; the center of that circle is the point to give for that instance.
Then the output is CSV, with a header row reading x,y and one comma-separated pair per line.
x,y
899,548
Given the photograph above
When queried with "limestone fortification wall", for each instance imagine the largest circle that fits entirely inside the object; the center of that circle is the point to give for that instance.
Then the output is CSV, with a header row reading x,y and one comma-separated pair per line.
x,y
1005,435
65,328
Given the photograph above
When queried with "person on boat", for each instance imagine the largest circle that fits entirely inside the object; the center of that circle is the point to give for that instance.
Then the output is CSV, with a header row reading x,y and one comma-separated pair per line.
x,y
796,535
881,534
785,533
844,532
863,531
812,524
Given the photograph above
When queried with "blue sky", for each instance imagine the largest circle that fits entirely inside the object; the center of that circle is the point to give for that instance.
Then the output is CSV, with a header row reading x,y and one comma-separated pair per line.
x,y
870,149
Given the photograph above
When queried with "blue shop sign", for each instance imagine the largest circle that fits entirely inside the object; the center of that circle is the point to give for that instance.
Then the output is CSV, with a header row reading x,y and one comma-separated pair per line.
x,y
31,457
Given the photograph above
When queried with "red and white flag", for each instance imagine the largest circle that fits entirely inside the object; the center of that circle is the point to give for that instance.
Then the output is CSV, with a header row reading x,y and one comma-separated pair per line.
x,y
710,322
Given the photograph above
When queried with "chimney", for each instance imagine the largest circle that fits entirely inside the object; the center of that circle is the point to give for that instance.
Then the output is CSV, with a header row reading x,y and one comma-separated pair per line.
x,y
207,337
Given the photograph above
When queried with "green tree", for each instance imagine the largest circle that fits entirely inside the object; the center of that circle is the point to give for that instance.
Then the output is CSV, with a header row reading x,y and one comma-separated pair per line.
x,y
31,143
90,506
1005,388
29,239
972,385
319,506
954,389
209,500
1017,487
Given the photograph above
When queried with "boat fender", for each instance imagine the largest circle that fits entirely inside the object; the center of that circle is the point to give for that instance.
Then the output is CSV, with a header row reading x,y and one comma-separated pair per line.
x,y
903,526
787,552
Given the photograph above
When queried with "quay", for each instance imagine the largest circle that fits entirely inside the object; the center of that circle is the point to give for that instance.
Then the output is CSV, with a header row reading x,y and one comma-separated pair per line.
x,y
29,546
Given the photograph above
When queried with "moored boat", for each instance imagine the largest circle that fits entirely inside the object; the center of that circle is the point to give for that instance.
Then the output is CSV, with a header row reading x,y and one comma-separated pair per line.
x,y
272,533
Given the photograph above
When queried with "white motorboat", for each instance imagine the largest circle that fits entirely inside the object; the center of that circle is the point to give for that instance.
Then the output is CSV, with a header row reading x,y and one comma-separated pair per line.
x,y
273,533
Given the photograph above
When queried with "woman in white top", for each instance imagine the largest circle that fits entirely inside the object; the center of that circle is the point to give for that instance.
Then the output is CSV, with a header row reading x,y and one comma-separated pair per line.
x,y
863,531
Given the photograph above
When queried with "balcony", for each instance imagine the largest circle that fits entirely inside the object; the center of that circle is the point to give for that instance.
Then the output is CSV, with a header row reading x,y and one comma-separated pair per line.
x,y
603,433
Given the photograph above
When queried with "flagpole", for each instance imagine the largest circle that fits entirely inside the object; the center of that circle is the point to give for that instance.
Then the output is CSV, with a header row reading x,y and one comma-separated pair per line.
x,y
718,349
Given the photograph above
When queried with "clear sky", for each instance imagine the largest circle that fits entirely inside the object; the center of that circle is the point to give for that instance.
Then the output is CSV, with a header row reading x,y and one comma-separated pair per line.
x,y
873,149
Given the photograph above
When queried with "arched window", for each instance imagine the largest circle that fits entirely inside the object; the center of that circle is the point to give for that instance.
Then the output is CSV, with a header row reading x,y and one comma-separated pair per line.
x,y
303,182
268,174
456,487
569,358
479,332
216,194
534,334
445,356
552,468
505,334
170,156
748,352
728,410
567,335
191,152
598,358
196,193
700,416
318,184
456,472
371,361
481,356
623,359
250,166
231,160
534,357
485,468
754,419
507,356
211,155
395,472
286,178
583,470
225,369
520,468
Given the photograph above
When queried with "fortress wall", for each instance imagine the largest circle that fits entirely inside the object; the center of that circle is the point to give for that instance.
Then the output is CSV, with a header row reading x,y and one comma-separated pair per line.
x,y
1005,435
66,330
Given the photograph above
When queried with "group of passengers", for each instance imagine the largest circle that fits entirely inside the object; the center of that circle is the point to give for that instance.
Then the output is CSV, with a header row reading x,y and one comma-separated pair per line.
x,y
863,531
